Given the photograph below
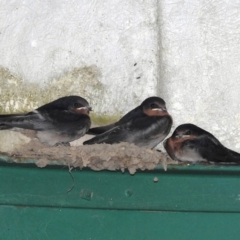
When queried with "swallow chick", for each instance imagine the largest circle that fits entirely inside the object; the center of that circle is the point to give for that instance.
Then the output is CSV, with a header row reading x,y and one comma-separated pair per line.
x,y
190,143
58,122
145,126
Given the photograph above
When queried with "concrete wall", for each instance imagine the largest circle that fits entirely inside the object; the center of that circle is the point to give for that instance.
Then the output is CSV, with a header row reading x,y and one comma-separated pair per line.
x,y
117,53
96,49
200,62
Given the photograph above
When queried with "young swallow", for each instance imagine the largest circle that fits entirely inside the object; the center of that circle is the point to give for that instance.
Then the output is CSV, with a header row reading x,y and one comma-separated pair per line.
x,y
145,126
58,122
191,143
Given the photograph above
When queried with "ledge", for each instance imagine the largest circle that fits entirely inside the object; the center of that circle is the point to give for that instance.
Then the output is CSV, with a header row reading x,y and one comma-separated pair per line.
x,y
197,188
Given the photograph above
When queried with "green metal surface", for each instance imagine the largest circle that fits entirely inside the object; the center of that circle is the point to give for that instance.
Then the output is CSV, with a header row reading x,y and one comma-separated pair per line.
x,y
63,223
187,202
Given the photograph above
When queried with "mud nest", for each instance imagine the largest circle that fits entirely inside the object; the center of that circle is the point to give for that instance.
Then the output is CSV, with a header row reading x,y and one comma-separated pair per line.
x,y
97,157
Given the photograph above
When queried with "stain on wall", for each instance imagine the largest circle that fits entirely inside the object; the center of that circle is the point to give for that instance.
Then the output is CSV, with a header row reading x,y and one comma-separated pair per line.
x,y
43,41
18,95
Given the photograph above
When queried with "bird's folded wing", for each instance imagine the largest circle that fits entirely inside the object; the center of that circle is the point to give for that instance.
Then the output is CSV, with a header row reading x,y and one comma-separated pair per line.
x,y
144,127
27,121
130,116
212,150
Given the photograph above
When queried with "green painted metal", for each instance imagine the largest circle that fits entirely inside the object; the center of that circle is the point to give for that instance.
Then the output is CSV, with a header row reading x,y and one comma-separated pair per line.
x,y
196,188
187,202
64,223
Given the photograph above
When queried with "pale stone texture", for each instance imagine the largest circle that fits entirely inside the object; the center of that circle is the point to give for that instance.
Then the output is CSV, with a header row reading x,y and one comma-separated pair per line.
x,y
200,65
41,41
117,53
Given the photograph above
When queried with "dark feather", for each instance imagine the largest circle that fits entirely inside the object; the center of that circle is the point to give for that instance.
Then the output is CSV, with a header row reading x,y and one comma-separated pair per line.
x,y
212,150
135,113
140,131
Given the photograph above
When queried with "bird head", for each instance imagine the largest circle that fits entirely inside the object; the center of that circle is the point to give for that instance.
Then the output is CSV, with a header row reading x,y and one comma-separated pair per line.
x,y
154,106
79,106
187,130
73,104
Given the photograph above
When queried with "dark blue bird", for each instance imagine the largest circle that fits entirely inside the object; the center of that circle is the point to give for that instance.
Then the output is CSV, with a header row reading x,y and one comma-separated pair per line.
x,y
190,143
58,122
145,126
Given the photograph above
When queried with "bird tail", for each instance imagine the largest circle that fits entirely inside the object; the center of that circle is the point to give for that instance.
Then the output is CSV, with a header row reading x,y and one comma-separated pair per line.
x,y
100,138
9,121
233,153
4,127
100,130
233,158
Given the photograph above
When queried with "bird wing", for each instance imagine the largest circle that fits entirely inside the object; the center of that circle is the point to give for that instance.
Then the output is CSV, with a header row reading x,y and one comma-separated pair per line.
x,y
64,120
114,135
99,130
133,114
134,131
212,150
149,127
45,120
27,121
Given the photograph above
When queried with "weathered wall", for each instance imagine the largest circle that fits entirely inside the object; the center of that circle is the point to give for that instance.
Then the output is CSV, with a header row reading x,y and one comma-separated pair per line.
x,y
112,45
200,64
116,53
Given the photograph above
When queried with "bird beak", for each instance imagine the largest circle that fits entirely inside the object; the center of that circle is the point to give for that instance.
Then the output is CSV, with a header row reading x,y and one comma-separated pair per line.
x,y
182,136
162,109
179,136
87,108
83,110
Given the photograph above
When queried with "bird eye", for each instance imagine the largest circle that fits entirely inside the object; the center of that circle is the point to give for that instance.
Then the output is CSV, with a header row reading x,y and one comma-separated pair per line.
x,y
77,105
153,105
188,132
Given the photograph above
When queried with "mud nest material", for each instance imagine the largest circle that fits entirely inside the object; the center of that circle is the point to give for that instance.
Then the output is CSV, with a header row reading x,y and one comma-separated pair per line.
x,y
97,157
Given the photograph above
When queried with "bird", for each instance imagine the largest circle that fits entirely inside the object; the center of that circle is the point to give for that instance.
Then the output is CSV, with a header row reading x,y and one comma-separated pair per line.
x,y
190,143
56,123
145,126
